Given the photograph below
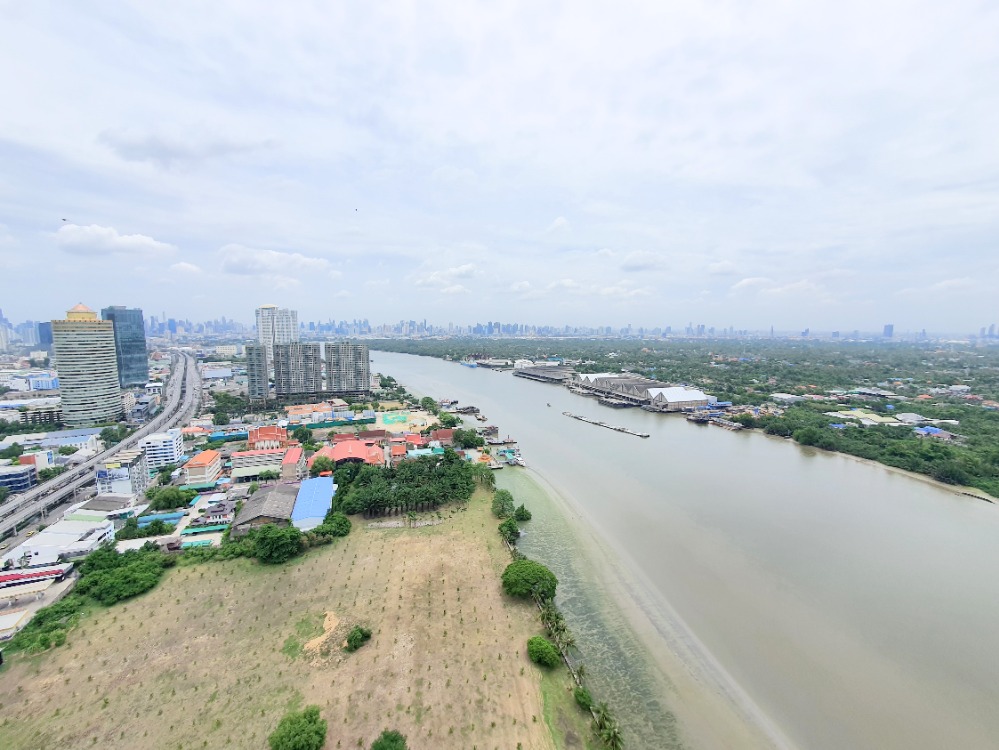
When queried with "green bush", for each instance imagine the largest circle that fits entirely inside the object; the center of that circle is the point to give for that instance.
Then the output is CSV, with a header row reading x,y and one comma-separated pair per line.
x,y
526,578
337,524
274,545
583,698
389,740
522,514
543,652
299,730
357,637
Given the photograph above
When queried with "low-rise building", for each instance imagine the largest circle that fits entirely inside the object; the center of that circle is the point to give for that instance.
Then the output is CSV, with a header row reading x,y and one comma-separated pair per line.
x,y
247,465
125,474
678,398
18,478
293,465
204,468
60,541
268,436
40,458
272,505
313,502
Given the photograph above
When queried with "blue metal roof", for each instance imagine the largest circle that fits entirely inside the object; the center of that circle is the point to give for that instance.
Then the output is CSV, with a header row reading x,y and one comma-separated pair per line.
x,y
315,497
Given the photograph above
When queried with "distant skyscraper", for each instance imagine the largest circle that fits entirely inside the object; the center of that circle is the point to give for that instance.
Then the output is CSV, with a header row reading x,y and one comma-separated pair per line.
x,y
88,370
45,335
129,344
298,368
348,369
889,330
276,325
256,372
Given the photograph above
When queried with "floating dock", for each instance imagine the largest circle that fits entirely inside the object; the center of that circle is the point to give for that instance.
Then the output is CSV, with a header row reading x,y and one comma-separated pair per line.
x,y
598,423
727,424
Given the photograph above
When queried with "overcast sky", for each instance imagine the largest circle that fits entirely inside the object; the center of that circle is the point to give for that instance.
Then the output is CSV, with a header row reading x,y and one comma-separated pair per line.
x,y
833,165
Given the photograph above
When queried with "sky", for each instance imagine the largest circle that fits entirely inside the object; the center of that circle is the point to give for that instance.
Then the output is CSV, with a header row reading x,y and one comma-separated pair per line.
x,y
832,165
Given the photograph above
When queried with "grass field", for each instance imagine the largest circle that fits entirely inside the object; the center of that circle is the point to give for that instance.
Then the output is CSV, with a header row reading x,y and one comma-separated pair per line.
x,y
215,655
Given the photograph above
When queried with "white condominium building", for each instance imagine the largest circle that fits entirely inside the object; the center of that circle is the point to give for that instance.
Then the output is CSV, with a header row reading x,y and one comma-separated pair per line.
x,y
276,325
164,448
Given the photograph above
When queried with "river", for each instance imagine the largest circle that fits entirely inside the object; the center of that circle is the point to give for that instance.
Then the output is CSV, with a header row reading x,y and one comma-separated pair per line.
x,y
835,602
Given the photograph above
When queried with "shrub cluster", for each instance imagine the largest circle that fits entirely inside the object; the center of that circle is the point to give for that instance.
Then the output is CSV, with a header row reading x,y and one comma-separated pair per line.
x,y
543,652
357,637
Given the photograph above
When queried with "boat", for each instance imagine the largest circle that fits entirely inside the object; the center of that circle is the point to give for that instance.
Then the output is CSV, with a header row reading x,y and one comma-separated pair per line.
x,y
482,417
698,418
469,364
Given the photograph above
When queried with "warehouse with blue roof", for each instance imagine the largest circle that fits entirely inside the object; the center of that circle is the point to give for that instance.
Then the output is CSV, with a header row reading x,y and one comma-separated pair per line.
x,y
314,500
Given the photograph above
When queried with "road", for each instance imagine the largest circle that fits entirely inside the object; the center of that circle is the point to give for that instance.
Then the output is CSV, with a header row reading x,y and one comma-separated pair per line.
x,y
183,396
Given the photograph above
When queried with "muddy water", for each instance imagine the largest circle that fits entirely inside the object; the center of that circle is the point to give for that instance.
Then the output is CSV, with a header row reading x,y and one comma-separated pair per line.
x,y
845,604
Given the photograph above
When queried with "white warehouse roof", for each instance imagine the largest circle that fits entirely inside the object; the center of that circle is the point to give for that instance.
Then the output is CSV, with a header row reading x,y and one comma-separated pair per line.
x,y
675,394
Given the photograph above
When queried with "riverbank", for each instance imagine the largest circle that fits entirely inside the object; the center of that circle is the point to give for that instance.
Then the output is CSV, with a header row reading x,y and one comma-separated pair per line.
x,y
675,697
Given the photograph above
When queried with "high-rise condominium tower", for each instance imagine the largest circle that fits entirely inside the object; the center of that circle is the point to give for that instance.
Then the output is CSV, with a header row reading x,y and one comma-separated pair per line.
x,y
276,325
256,372
88,369
298,368
348,368
129,344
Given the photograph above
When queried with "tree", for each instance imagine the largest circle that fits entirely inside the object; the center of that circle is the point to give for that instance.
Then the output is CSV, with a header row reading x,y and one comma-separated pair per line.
x,y
429,404
357,637
269,474
389,740
13,451
583,698
337,523
50,471
543,652
67,450
302,434
274,545
322,464
484,475
3,493
253,487
509,530
526,578
467,439
168,498
503,504
299,730
448,420
522,513
220,418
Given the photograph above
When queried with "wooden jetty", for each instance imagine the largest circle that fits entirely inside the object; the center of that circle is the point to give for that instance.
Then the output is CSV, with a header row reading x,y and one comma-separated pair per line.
x,y
598,423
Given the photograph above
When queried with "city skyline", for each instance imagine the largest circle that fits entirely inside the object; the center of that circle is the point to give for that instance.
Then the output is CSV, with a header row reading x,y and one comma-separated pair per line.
x,y
765,165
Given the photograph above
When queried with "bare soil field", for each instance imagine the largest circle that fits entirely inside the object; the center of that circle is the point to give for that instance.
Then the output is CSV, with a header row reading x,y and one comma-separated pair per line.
x,y
219,651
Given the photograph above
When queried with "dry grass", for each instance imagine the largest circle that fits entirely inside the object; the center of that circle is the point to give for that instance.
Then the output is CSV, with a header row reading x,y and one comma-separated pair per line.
x,y
216,654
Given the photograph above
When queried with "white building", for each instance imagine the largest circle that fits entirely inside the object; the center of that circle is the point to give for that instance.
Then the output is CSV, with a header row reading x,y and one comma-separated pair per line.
x,y
677,398
164,448
228,350
154,389
276,325
63,538
125,474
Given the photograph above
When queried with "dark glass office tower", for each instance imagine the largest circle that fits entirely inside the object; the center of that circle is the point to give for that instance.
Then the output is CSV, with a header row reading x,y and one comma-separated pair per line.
x,y
129,344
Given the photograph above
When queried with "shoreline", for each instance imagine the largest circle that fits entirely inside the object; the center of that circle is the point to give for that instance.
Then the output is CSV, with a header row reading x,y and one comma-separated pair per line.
x,y
711,708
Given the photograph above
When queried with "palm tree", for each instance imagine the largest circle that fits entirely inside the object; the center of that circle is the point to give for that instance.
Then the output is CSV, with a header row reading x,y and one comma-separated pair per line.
x,y
611,736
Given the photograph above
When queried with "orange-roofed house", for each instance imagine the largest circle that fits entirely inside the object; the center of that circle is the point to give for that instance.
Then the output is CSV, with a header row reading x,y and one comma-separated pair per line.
x,y
443,436
267,437
416,440
204,468
293,464
353,451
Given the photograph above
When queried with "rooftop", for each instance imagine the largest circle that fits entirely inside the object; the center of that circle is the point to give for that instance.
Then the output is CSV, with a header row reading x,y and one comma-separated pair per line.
x,y
314,499
205,458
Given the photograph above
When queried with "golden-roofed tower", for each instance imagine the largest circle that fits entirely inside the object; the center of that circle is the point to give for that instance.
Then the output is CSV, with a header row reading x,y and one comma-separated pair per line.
x,y
80,312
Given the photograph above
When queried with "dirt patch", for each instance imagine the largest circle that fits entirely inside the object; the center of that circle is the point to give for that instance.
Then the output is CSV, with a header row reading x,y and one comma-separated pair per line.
x,y
330,623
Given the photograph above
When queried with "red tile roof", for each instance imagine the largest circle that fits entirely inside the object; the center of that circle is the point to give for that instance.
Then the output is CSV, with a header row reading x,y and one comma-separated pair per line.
x,y
293,456
205,458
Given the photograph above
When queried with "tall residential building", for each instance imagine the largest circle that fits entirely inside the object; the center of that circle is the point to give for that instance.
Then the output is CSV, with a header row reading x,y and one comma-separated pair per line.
x,y
889,330
276,325
45,335
298,368
129,344
256,372
348,368
88,370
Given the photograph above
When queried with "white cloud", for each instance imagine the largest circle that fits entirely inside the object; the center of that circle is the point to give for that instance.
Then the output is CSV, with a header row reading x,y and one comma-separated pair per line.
x,y
560,224
752,283
98,240
185,267
640,261
285,269
520,286
165,150
455,289
447,276
723,268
